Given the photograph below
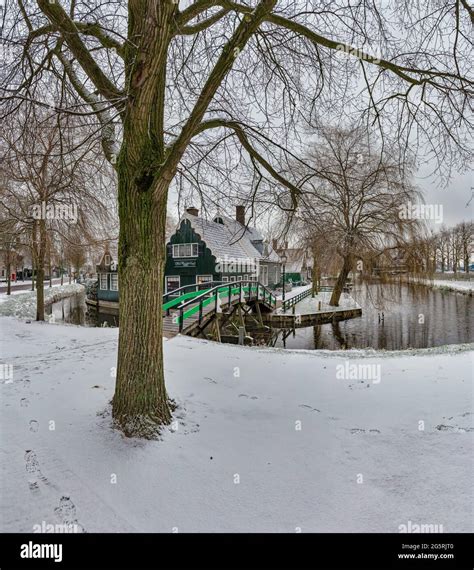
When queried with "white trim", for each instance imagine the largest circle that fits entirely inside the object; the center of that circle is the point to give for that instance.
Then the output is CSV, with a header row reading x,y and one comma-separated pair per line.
x,y
101,276
178,277
202,282
176,250
112,288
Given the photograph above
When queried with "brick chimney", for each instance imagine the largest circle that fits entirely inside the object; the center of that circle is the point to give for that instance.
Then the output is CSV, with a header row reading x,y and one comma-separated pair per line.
x,y
240,214
192,211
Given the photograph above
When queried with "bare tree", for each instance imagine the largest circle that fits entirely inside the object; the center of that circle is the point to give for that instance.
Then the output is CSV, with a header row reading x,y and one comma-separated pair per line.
x,y
466,233
352,197
51,189
211,96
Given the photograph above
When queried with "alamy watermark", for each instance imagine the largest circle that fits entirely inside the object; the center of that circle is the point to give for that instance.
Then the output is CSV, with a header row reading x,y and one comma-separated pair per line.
x,y
45,211
34,550
373,54
411,211
6,373
411,527
246,265
348,371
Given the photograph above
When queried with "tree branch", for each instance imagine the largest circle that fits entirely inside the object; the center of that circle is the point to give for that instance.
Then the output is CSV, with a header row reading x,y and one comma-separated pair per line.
x,y
69,31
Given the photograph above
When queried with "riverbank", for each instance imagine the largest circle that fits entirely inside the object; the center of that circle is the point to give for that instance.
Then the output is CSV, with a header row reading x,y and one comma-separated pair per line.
x,y
22,304
465,286
264,440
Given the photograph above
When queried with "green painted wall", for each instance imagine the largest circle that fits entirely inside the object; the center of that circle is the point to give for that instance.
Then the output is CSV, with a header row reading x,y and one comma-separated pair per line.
x,y
188,267
106,294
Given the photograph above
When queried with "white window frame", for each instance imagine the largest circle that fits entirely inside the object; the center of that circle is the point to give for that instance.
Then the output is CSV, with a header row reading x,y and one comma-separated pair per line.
x,y
225,278
101,277
114,286
107,259
246,278
178,277
179,250
203,282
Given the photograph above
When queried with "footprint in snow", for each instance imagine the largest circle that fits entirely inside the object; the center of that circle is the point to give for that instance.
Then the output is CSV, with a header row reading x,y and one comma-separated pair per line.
x,y
32,468
24,402
454,429
34,425
358,430
34,472
66,513
309,407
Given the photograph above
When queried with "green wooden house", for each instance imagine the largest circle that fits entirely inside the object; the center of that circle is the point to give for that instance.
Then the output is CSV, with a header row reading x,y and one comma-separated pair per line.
x,y
107,280
222,249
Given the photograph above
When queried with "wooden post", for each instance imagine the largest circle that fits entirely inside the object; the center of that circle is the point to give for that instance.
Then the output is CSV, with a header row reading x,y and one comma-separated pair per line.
x,y
241,335
218,330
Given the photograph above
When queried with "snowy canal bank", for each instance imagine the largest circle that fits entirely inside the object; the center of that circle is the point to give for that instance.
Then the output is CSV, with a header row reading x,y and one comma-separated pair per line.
x,y
263,439
22,304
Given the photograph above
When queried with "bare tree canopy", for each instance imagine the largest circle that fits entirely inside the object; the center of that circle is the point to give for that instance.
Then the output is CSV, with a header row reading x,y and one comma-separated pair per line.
x,y
352,196
210,96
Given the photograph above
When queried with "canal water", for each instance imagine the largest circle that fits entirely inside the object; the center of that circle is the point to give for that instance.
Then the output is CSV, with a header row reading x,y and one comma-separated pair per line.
x,y
394,317
74,310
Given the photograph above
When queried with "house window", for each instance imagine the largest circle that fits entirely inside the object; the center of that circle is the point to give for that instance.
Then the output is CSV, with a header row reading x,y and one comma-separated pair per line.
x,y
246,277
107,260
172,283
185,250
225,279
103,281
113,282
203,279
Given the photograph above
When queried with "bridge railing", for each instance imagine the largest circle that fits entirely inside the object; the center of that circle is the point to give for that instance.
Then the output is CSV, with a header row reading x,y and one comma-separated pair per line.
x,y
175,297
291,302
245,290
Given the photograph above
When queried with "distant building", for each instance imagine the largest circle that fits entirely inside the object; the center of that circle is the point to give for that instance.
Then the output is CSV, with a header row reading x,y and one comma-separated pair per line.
x,y
201,251
298,266
107,280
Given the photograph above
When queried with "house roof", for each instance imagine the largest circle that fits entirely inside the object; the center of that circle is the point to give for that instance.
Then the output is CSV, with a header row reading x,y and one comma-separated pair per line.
x,y
230,239
296,260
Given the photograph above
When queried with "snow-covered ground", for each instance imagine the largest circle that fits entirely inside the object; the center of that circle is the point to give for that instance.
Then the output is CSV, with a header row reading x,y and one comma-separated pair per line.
x,y
294,291
267,440
454,285
22,304
310,305
462,285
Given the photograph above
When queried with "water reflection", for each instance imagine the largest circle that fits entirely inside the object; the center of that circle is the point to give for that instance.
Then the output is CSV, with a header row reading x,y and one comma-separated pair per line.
x,y
414,316
74,310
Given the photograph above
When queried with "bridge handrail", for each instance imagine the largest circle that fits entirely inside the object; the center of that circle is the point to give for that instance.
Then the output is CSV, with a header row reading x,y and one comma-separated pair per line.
x,y
175,292
213,294
288,303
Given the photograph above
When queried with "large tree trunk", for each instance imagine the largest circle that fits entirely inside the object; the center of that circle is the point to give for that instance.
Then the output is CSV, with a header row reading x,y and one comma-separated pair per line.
x,y
341,281
140,402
